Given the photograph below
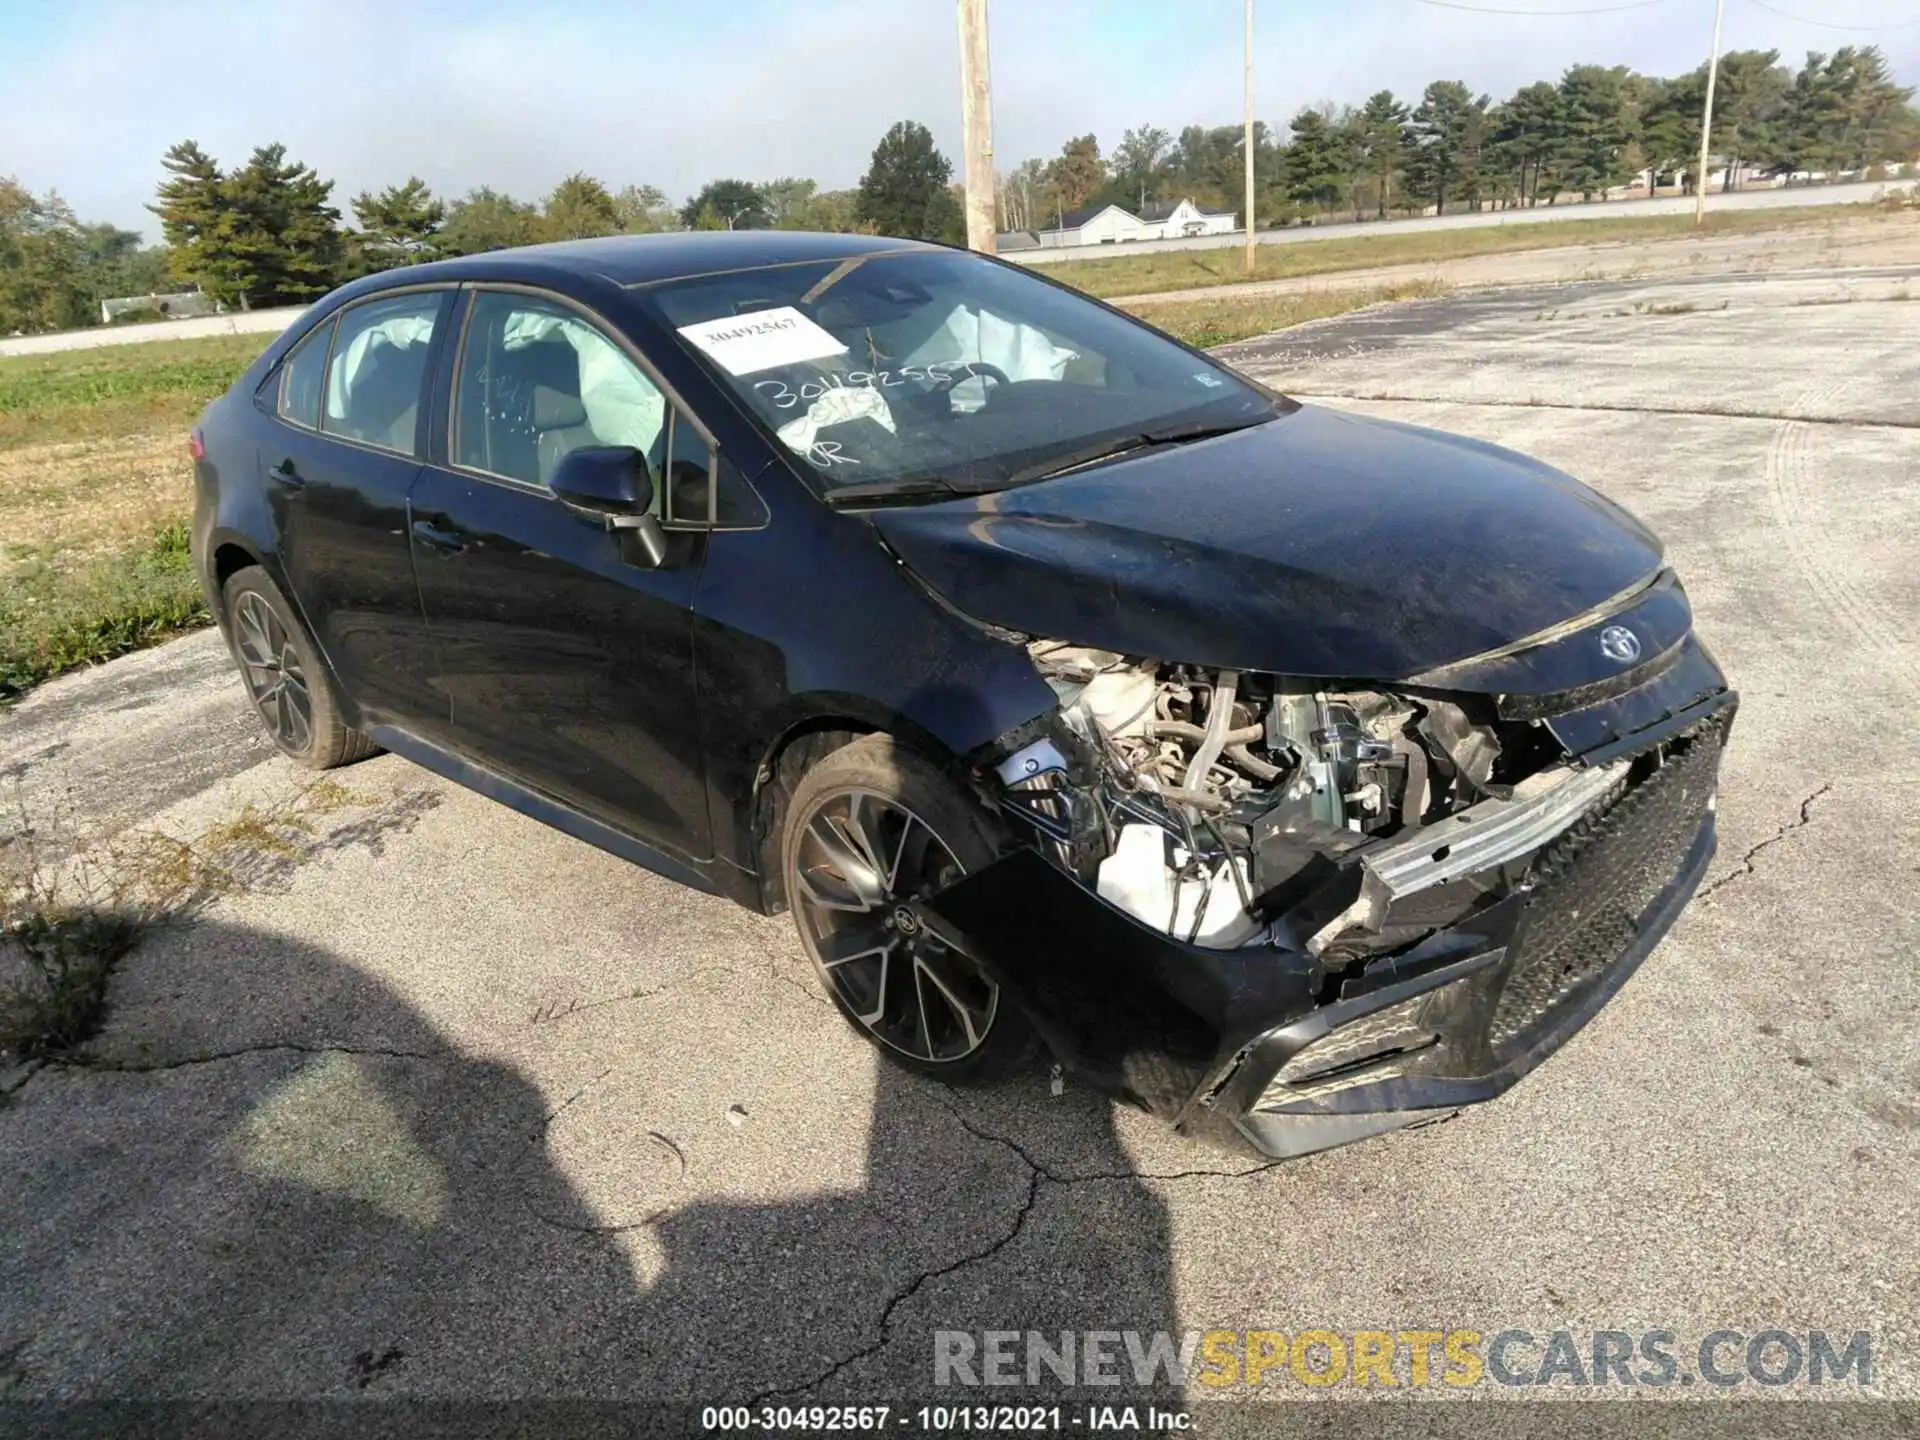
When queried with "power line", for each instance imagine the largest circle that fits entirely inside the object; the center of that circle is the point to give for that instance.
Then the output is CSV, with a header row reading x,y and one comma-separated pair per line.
x,y
1822,24
1543,14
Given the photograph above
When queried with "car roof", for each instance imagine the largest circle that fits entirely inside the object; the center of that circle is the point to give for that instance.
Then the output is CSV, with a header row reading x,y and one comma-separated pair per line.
x,y
632,260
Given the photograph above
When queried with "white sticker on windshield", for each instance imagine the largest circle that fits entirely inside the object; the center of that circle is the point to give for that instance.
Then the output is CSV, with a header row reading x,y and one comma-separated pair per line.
x,y
744,344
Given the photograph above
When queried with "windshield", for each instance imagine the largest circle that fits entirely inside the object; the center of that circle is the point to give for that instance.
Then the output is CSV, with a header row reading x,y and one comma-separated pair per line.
x,y
944,368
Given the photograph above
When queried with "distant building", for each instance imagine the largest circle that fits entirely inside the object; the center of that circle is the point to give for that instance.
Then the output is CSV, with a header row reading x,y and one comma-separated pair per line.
x,y
181,306
1113,224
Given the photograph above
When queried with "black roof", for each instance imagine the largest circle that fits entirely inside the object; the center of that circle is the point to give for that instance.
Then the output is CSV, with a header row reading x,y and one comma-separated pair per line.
x,y
647,259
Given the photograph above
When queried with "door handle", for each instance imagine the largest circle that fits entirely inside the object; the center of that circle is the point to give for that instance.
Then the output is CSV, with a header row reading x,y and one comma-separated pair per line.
x,y
286,473
448,542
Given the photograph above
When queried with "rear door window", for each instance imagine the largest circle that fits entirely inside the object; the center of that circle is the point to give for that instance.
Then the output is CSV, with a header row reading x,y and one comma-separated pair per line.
x,y
377,378
302,377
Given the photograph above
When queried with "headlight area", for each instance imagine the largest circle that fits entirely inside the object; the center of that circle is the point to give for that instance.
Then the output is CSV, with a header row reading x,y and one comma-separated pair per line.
x,y
1315,912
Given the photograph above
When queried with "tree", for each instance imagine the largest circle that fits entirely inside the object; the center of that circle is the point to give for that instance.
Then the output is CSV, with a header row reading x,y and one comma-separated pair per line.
x,y
644,209
1449,129
189,204
39,262
399,225
264,234
787,202
1076,173
1842,112
1380,148
1316,165
1137,161
580,209
277,240
485,220
904,191
729,205
1599,124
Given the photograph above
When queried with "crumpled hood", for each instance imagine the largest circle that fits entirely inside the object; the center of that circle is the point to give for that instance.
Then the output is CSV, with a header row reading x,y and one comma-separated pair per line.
x,y
1318,544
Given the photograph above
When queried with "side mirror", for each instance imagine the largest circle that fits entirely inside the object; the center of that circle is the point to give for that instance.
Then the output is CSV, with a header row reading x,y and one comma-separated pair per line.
x,y
610,483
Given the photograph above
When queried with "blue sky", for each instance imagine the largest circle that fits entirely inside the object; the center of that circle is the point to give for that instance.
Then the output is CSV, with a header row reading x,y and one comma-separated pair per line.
x,y
517,95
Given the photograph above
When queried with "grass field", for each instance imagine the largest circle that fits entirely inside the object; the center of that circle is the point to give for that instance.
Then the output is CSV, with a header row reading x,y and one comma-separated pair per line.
x,y
95,493
1124,275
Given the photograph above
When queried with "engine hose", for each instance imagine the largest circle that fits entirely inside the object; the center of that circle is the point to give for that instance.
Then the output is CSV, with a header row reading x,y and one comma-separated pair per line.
x,y
1219,722
1184,730
1251,763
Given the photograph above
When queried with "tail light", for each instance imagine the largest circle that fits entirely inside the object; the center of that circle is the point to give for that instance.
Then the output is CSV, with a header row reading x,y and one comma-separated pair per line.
x,y
196,447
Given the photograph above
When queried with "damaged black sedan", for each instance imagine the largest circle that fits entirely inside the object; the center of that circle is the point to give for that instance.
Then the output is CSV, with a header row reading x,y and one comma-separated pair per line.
x,y
1295,775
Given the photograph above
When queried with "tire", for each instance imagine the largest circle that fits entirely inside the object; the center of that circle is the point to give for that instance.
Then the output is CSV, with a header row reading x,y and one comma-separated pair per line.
x,y
874,799
289,686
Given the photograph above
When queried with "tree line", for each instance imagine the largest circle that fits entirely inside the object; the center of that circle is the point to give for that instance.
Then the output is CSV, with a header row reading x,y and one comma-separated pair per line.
x,y
269,232
1595,129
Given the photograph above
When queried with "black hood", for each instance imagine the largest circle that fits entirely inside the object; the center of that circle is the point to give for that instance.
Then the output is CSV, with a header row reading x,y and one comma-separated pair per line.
x,y
1317,544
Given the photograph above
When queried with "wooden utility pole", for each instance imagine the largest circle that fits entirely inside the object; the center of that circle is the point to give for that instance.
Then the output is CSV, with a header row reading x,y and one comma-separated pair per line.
x,y
1249,142
976,119
1706,120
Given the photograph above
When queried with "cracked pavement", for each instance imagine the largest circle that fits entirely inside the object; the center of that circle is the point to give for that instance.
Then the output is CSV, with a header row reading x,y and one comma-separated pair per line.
x,y
459,1107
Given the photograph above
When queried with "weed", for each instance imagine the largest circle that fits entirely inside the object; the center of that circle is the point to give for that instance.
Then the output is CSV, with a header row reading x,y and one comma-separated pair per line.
x,y
1682,307
66,920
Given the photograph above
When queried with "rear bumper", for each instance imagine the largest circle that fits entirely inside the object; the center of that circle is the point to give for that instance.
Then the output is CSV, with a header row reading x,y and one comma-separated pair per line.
x,y
1260,1047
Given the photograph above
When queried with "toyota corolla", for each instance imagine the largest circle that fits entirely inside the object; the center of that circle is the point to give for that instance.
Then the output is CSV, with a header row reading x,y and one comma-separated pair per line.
x,y
1295,775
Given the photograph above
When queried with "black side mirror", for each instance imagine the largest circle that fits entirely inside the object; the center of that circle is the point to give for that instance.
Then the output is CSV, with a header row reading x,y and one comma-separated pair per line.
x,y
610,483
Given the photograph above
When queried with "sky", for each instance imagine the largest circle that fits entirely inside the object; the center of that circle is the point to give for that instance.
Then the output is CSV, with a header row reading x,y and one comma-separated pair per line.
x,y
517,95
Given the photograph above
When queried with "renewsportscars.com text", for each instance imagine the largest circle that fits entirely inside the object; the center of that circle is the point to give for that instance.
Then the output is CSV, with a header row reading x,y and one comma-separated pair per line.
x,y
1459,1358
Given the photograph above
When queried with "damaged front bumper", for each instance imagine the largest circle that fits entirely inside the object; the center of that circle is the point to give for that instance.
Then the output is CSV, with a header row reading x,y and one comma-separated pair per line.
x,y
1264,1046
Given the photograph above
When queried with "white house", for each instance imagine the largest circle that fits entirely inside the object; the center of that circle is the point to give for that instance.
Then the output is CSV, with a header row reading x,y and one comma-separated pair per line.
x,y
1111,224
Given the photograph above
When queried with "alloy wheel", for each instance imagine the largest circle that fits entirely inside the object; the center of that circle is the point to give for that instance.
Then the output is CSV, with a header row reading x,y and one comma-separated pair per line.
x,y
276,680
860,857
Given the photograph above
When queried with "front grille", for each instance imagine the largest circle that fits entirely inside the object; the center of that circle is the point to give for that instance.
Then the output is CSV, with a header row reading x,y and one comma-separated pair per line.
x,y
1596,881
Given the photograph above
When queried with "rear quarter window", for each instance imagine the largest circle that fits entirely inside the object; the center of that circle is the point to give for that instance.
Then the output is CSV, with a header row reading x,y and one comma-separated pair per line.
x,y
302,378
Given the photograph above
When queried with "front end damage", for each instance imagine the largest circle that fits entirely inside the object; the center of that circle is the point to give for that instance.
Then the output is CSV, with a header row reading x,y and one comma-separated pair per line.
x,y
1295,913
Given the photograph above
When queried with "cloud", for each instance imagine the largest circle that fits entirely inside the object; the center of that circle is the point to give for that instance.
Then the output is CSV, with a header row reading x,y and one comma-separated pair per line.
x,y
369,91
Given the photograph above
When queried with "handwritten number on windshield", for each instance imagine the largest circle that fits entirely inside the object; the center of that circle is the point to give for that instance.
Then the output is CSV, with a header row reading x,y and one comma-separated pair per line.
x,y
941,372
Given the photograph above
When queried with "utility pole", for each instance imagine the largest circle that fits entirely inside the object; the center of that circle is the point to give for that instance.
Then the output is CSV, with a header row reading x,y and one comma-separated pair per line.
x,y
1249,142
1706,118
976,119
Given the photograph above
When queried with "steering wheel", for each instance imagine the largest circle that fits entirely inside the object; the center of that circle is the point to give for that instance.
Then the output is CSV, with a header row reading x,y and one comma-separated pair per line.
x,y
973,368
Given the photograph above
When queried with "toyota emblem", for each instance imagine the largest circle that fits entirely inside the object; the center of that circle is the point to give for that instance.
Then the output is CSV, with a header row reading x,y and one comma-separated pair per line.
x,y
1619,643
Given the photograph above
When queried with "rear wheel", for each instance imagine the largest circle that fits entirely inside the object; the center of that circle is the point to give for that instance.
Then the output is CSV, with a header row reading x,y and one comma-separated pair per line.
x,y
285,680
869,828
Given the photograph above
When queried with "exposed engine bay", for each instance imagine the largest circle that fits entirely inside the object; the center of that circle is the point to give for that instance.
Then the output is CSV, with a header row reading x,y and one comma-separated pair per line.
x,y
1229,809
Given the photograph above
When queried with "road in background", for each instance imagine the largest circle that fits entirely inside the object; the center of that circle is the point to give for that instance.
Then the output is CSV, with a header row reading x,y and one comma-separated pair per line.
x,y
1855,193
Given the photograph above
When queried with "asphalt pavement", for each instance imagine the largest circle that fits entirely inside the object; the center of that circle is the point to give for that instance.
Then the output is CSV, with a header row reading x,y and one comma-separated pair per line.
x,y
445,1104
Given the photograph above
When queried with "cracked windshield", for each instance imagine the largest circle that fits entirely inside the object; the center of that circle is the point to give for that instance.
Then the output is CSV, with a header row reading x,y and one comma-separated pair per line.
x,y
934,372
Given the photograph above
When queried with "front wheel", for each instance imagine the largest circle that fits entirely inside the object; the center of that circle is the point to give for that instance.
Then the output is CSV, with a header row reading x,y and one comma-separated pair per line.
x,y
869,828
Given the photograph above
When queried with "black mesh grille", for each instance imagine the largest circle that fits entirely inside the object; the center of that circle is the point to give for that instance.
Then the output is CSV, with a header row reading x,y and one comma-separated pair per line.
x,y
1595,882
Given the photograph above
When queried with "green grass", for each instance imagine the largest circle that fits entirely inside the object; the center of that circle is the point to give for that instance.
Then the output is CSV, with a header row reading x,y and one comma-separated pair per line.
x,y
53,620
1123,275
117,390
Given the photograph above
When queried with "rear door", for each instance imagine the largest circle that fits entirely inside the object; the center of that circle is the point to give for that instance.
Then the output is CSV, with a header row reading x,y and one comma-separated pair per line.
x,y
570,669
352,402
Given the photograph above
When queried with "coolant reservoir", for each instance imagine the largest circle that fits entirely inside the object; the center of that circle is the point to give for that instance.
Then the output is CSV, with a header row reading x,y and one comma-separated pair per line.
x,y
1141,877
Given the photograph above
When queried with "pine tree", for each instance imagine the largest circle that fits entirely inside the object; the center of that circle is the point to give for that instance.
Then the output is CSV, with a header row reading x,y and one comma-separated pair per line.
x,y
1315,166
485,220
189,204
401,223
1450,133
1381,132
905,189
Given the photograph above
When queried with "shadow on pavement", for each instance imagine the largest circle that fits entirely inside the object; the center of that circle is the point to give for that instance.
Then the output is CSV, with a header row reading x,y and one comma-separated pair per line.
x,y
362,1210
